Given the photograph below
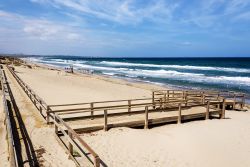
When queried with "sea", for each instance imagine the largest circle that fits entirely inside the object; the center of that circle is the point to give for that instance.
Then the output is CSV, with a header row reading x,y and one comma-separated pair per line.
x,y
226,74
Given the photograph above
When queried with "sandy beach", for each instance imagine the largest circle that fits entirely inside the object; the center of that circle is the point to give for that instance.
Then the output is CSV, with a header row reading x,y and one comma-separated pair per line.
x,y
199,143
202,143
124,83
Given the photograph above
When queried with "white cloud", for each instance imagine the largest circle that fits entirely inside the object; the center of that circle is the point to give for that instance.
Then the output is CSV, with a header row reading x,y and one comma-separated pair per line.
x,y
41,29
38,28
236,5
242,16
123,12
73,36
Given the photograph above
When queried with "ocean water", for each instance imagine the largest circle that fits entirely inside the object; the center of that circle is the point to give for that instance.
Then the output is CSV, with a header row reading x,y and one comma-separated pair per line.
x,y
228,74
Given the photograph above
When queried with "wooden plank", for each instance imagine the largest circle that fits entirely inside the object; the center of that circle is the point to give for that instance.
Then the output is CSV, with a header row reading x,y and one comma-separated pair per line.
x,y
207,110
83,143
179,114
141,123
146,118
105,127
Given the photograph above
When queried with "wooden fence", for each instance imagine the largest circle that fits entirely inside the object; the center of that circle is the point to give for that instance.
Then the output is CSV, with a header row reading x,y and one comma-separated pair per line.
x,y
13,156
134,106
75,141
72,137
39,103
200,96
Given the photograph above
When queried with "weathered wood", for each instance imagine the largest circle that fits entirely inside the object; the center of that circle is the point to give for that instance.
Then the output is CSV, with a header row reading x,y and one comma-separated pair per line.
x,y
234,102
105,128
55,125
161,103
48,114
243,101
92,109
70,145
153,99
223,113
146,118
40,109
207,110
165,100
179,114
77,137
129,105
97,162
167,95
141,123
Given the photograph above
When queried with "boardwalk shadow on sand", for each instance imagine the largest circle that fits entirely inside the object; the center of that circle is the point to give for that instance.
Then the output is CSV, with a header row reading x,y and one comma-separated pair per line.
x,y
23,135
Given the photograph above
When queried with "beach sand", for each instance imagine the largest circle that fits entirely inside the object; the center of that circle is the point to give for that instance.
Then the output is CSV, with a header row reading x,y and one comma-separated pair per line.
x,y
76,88
208,143
216,143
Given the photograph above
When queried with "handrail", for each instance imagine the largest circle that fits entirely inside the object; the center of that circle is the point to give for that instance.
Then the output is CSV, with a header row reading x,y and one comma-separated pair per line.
x,y
96,102
31,94
11,144
73,135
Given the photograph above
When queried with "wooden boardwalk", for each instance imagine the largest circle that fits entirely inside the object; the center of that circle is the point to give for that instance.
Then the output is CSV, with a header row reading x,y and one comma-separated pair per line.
x,y
164,106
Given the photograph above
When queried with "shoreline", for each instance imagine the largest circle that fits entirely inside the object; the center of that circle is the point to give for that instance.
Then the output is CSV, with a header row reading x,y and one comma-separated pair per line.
x,y
135,82
128,81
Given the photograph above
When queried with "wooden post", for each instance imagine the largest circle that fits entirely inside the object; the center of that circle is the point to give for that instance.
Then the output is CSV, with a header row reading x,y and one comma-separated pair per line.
x,y
40,109
153,99
207,109
203,98
234,102
129,105
48,109
201,94
223,112
105,128
70,145
179,114
55,125
146,118
97,162
165,99
186,99
160,103
92,110
243,101
167,95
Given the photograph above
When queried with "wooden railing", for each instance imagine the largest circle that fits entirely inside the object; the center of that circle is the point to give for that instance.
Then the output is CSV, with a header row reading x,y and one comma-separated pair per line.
x,y
199,95
39,103
75,141
11,142
209,105
131,106
237,98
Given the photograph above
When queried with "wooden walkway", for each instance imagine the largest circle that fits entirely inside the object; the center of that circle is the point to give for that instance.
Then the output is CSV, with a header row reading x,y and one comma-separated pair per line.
x,y
164,106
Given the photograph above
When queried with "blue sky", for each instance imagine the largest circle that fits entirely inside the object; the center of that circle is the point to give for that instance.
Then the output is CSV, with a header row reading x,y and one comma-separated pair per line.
x,y
126,27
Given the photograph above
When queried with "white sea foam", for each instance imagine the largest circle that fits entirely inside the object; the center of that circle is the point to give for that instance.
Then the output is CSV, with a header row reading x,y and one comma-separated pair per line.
x,y
192,77
162,73
108,73
99,67
242,70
